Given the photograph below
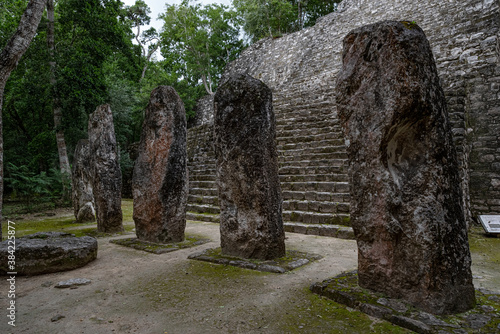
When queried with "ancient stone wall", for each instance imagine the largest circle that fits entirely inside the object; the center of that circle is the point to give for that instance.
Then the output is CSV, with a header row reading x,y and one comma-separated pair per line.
x,y
465,39
204,111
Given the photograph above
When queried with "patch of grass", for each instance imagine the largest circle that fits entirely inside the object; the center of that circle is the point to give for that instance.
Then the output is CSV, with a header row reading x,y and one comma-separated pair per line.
x,y
127,210
14,209
310,313
486,246
66,224
181,287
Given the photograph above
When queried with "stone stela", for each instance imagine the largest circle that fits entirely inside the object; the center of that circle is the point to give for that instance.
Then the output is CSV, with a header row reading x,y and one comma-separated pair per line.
x,y
83,196
105,170
160,181
406,207
251,224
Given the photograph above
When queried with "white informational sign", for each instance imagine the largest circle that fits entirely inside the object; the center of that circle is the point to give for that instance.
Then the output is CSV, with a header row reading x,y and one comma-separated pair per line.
x,y
491,224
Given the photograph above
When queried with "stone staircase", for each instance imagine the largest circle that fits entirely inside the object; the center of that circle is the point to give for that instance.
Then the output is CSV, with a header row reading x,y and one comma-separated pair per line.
x,y
313,169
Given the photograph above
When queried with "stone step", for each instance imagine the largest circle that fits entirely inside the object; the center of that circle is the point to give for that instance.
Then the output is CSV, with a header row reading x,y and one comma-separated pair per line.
x,y
288,138
202,169
312,163
326,230
338,152
198,199
308,129
202,217
312,144
307,117
332,187
203,191
201,177
315,178
312,170
316,206
321,196
202,184
291,100
307,217
203,208
197,161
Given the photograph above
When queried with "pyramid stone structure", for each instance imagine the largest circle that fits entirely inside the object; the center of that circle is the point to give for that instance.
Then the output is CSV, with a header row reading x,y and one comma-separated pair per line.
x,y
301,69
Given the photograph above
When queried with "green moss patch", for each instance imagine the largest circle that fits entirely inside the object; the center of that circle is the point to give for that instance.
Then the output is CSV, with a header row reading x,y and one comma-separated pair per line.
x,y
344,289
292,260
158,248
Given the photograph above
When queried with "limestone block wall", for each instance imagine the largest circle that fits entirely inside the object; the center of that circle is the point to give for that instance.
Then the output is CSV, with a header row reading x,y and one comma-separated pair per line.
x,y
465,38
204,111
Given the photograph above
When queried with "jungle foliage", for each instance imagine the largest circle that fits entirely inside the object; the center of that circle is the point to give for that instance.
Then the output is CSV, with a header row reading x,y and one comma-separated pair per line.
x,y
102,56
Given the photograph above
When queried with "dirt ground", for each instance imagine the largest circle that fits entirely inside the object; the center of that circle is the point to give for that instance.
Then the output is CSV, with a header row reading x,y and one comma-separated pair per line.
x,y
137,292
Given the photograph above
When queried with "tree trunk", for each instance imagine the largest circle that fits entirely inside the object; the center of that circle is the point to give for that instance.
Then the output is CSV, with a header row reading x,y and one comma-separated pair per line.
x,y
10,56
61,143
148,58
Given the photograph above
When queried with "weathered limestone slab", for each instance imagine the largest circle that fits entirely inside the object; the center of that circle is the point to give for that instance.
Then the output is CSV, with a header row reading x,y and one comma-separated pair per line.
x,y
83,197
251,224
406,208
160,183
106,173
48,252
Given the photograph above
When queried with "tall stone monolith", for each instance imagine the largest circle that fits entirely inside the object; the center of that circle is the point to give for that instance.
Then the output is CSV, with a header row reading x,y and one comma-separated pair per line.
x,y
106,173
160,181
406,207
250,201
83,197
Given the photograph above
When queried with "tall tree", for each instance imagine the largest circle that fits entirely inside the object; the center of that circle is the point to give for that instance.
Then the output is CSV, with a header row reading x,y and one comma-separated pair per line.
x,y
271,18
56,104
138,15
266,18
197,41
10,56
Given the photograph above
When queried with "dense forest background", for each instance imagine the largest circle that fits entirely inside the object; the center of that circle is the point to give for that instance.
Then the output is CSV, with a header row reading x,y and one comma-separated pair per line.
x,y
86,53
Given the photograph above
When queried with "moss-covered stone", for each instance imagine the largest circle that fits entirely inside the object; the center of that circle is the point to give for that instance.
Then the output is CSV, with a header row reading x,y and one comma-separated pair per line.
x,y
292,260
159,248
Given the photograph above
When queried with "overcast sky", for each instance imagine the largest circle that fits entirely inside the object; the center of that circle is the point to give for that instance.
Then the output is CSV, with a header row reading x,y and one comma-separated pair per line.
x,y
158,6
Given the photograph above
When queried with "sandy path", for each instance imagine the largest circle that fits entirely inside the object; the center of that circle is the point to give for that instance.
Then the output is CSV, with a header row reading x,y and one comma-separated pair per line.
x,y
137,292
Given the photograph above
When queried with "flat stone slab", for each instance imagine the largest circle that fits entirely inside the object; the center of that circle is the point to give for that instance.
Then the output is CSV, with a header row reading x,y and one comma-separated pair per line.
x,y
292,260
491,224
325,230
47,252
72,283
159,248
344,289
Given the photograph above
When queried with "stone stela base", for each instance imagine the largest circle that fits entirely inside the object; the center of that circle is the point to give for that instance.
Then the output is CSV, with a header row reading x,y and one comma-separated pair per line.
x,y
292,260
344,289
157,248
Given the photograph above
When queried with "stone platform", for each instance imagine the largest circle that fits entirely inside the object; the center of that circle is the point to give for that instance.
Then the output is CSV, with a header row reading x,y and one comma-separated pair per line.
x,y
47,252
344,289
159,248
292,260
